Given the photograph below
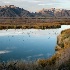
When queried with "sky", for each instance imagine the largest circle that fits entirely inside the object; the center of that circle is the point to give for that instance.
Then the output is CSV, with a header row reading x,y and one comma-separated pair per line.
x,y
36,5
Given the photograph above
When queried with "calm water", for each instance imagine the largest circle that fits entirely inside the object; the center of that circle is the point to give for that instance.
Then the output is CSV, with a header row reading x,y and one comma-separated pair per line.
x,y
28,44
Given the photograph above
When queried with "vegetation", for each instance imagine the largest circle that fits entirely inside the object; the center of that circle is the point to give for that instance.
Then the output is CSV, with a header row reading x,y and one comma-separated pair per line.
x,y
36,23
28,26
65,65
59,61
64,39
23,65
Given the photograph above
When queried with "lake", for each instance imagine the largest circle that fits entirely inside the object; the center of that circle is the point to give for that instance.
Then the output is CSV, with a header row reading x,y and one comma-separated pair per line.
x,y
28,44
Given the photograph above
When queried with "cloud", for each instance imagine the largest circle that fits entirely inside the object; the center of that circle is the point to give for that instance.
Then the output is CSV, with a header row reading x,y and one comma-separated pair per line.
x,y
29,57
39,55
4,51
34,1
45,4
42,4
7,2
36,5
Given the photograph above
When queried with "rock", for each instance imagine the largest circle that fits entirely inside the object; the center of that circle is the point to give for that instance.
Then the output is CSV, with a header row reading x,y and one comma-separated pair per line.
x,y
13,11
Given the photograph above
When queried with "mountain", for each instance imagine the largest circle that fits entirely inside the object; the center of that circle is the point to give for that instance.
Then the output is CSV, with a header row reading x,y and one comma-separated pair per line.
x,y
13,11
55,12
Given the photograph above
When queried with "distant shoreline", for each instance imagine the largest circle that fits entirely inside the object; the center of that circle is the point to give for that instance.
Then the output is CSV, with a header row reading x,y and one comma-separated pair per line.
x,y
29,23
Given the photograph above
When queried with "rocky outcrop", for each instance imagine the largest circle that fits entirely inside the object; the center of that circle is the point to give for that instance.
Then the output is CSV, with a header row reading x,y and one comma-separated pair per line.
x,y
63,48
63,40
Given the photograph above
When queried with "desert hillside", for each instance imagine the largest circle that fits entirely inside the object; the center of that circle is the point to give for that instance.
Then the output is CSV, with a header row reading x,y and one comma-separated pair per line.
x,y
13,11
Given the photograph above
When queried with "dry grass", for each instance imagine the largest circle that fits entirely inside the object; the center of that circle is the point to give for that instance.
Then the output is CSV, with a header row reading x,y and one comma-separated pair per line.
x,y
29,26
36,23
59,61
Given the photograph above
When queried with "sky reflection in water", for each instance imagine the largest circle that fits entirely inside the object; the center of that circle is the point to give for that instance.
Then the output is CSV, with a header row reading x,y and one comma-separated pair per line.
x,y
28,44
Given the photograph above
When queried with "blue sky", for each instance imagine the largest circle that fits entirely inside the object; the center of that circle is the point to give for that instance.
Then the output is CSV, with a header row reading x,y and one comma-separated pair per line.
x,y
36,5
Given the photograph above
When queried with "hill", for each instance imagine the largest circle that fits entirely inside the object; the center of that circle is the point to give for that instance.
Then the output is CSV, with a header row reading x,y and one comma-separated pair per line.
x,y
55,12
13,11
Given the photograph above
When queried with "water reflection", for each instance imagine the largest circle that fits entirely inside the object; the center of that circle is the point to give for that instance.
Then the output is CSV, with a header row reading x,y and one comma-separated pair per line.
x,y
4,51
28,44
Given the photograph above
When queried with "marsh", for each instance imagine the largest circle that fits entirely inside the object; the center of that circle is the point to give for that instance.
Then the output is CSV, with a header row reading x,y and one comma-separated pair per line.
x,y
28,44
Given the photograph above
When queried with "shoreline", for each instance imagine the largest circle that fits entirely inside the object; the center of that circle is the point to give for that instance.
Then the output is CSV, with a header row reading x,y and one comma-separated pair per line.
x,y
29,23
61,57
47,26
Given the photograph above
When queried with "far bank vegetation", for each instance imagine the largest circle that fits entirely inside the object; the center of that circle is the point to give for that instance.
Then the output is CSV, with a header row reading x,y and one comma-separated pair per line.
x,y
36,23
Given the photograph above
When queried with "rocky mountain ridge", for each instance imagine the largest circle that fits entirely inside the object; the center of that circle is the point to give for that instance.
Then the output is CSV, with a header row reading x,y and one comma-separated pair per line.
x,y
55,12
13,11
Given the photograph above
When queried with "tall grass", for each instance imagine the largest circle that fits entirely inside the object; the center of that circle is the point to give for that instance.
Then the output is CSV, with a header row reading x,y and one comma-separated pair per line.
x,y
30,26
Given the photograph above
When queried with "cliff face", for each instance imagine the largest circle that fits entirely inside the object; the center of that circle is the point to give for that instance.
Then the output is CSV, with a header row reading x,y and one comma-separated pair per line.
x,y
63,40
63,48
